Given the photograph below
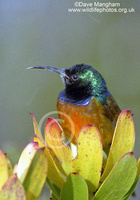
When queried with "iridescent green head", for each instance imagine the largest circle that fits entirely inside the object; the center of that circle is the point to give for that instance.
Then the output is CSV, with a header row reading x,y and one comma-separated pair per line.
x,y
82,83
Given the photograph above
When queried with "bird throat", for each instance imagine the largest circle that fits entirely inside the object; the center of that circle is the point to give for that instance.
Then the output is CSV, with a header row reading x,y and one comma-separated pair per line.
x,y
83,95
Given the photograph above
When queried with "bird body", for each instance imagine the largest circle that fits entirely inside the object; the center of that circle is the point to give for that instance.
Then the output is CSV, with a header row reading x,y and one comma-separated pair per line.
x,y
102,116
86,100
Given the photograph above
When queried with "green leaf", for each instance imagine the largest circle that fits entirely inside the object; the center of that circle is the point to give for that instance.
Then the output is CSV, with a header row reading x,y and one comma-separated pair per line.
x,y
130,192
74,188
123,141
138,167
36,176
88,162
53,196
120,179
12,189
55,190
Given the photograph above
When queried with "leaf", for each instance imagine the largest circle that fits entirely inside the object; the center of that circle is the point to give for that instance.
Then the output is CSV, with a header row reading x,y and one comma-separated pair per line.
x,y
123,141
104,160
25,160
138,167
53,172
53,196
3,169
55,190
88,162
12,189
74,188
55,144
39,141
10,170
130,192
120,179
32,169
36,129
36,176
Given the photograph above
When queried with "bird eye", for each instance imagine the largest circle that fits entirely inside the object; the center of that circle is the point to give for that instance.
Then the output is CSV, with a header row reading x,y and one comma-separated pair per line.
x,y
74,77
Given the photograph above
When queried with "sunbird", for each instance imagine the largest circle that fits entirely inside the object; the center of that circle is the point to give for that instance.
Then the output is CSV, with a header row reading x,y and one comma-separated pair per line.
x,y
86,100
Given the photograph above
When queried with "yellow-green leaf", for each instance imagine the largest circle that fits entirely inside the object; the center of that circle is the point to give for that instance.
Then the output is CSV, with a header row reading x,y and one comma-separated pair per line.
x,y
88,162
138,167
123,140
12,189
55,191
25,160
38,140
36,176
119,180
74,188
10,170
3,169
36,129
53,172
58,149
131,190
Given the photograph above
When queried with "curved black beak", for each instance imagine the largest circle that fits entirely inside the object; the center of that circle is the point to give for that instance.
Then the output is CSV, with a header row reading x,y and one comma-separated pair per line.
x,y
54,69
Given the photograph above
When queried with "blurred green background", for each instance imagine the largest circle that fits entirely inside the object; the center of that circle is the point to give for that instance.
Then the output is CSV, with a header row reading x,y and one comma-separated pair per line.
x,y
45,33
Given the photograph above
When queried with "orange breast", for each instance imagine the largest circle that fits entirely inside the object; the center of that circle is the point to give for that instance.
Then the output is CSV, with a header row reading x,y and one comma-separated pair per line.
x,y
74,117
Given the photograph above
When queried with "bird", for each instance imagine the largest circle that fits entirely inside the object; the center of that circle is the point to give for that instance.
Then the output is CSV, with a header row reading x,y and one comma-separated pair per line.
x,y
86,100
